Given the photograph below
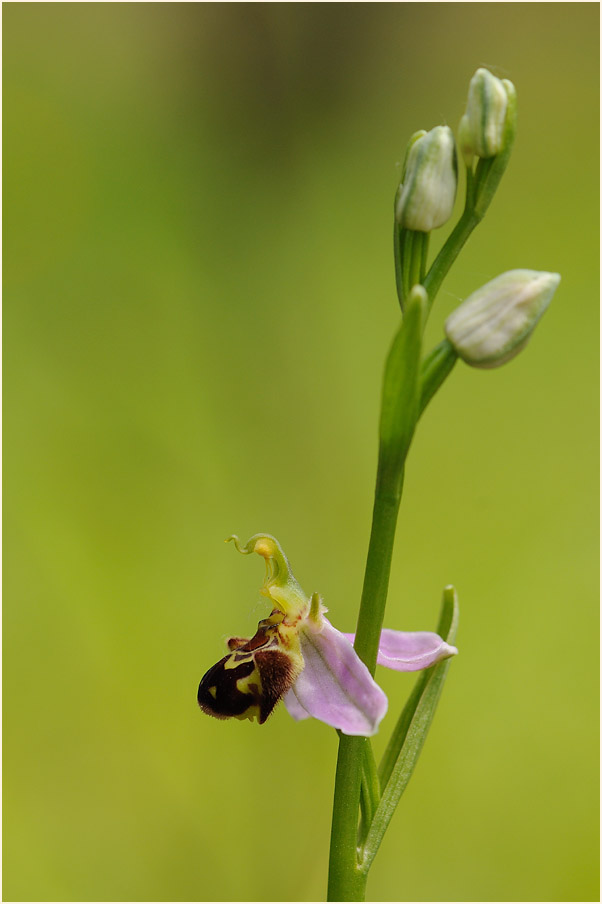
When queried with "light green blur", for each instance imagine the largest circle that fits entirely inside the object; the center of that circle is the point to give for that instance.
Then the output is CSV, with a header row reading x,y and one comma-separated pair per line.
x,y
199,295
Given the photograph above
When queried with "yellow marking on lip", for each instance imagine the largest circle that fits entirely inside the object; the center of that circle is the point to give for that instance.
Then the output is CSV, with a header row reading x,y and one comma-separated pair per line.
x,y
213,692
242,684
251,713
233,663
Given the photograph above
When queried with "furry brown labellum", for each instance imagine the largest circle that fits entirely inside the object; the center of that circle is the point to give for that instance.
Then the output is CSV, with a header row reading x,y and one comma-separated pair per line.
x,y
249,681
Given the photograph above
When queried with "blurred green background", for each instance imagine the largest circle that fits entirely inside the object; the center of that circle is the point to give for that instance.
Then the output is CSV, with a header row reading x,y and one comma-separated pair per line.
x,y
199,294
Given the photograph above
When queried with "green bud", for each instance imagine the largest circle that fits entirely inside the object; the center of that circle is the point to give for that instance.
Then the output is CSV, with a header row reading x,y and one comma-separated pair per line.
x,y
426,198
496,321
482,128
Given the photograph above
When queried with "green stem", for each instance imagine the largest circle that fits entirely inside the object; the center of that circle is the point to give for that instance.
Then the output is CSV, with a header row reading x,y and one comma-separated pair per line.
x,y
387,498
470,187
399,412
454,244
344,872
346,882
435,368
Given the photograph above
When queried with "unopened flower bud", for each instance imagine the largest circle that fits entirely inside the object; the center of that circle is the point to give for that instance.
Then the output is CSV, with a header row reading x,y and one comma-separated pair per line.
x,y
482,129
496,321
426,197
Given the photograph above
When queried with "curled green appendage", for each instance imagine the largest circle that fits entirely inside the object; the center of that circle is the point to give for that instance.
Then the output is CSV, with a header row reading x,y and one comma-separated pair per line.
x,y
280,584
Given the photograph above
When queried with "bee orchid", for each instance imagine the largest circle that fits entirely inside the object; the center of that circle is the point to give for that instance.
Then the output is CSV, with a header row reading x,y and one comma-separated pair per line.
x,y
297,655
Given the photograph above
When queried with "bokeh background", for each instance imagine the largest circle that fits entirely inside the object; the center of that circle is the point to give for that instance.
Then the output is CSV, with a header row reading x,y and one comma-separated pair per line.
x,y
198,298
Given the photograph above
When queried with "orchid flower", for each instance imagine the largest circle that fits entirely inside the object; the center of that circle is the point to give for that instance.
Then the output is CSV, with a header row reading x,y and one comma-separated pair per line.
x,y
298,655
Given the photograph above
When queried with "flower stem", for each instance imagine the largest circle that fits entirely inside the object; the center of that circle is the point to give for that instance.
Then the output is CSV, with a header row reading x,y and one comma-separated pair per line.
x,y
442,263
345,880
399,413
378,565
347,873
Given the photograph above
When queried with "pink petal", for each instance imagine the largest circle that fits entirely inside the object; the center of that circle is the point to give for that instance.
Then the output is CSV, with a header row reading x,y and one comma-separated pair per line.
x,y
410,651
335,686
294,707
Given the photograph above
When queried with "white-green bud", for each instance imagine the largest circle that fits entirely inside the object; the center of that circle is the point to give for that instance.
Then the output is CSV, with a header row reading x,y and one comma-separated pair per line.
x,y
496,321
482,128
426,197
